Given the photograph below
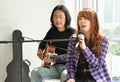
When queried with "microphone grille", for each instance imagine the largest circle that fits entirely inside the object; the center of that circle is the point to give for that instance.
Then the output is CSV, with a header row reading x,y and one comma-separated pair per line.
x,y
82,31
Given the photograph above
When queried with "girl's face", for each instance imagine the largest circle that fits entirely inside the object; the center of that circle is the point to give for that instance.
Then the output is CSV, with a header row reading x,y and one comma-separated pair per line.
x,y
59,20
84,23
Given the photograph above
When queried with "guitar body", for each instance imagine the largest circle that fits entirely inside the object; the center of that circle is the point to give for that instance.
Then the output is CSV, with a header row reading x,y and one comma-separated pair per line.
x,y
49,55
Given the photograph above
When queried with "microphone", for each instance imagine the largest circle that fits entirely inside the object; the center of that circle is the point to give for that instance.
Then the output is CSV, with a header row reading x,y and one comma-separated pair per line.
x,y
83,32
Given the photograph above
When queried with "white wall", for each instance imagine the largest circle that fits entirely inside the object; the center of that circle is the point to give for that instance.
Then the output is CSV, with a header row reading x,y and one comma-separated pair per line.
x,y
32,17
72,7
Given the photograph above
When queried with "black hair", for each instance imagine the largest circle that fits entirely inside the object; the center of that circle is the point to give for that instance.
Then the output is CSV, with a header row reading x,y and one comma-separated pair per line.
x,y
67,15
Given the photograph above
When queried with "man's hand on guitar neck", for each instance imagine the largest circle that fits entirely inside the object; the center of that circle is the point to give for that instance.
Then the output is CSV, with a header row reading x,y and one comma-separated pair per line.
x,y
40,54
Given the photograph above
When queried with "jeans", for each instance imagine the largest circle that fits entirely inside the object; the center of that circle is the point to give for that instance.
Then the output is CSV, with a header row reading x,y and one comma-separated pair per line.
x,y
63,76
42,73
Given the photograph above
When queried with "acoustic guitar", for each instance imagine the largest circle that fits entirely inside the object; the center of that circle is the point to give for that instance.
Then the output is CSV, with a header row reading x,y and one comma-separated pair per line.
x,y
49,56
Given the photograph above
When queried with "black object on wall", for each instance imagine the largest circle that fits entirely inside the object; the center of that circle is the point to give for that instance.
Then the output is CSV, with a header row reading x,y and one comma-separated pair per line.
x,y
17,69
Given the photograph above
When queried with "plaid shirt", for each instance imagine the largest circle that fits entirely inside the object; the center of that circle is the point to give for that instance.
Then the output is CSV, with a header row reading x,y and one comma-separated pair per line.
x,y
97,66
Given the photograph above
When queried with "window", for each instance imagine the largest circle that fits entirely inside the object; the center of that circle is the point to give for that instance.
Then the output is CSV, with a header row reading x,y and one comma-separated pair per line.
x,y
112,11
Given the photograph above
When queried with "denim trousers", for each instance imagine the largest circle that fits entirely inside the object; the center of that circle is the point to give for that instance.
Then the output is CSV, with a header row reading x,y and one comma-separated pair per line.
x,y
54,72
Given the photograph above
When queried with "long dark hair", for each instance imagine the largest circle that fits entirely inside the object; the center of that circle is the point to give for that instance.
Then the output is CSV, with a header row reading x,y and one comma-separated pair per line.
x,y
66,12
